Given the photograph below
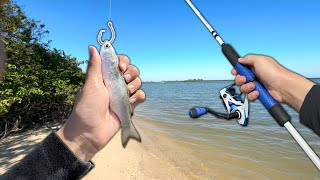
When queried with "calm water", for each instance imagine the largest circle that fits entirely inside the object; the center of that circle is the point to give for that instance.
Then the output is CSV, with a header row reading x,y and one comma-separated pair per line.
x,y
208,148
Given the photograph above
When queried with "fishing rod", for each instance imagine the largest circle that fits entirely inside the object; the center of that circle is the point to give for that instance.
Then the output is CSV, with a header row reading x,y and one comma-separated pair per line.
x,y
274,108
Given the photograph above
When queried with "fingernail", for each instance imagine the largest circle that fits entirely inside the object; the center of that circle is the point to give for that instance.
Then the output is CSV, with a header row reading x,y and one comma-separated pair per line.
x,y
131,88
133,100
127,77
251,86
240,59
243,79
124,67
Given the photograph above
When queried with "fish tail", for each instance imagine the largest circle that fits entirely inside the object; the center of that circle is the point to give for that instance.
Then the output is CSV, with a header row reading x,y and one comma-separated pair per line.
x,y
128,133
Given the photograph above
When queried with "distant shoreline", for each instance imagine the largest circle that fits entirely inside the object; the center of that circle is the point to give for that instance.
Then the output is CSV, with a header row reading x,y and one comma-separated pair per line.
x,y
185,81
201,80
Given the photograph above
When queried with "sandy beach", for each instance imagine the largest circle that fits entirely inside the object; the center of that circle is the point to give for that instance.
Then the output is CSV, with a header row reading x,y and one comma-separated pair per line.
x,y
164,154
113,162
134,162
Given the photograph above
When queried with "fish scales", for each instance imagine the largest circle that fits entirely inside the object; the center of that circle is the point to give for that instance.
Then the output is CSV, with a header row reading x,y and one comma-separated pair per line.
x,y
119,102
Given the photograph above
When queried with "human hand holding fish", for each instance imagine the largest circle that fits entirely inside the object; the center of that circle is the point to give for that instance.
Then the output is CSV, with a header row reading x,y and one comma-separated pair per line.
x,y
93,123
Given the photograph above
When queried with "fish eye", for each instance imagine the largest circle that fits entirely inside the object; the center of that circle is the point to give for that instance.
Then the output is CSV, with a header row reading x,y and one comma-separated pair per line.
x,y
107,46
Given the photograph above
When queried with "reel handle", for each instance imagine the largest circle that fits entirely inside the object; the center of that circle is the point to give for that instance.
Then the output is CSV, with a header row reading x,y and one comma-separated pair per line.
x,y
274,108
197,112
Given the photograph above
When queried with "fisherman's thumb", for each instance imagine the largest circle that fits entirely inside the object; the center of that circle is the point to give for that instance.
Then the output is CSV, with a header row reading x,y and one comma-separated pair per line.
x,y
94,73
249,59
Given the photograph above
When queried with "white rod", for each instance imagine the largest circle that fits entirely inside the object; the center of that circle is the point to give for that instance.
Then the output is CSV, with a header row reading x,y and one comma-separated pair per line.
x,y
303,144
205,22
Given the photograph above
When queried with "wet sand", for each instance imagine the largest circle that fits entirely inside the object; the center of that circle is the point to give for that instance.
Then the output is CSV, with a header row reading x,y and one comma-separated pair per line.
x,y
168,156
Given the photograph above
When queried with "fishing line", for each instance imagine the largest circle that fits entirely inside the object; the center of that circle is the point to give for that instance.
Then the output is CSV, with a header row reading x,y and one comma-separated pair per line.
x,y
110,25
110,8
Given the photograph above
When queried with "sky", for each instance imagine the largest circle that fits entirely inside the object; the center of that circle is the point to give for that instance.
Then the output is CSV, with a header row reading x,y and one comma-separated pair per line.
x,y
166,40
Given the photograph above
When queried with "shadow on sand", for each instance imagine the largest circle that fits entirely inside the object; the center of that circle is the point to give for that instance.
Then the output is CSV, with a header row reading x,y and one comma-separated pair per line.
x,y
17,145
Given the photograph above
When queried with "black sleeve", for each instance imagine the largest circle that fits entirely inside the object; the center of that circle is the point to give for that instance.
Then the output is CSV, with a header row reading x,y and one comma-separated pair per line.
x,y
51,159
310,110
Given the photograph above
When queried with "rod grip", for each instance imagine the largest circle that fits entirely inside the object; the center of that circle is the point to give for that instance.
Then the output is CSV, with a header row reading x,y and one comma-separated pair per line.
x,y
274,108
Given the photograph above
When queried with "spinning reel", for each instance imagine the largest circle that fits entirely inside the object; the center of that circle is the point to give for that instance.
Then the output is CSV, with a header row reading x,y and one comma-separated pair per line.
x,y
236,108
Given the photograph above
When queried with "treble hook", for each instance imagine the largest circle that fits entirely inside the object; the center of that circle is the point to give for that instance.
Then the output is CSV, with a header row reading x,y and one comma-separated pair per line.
x,y
113,34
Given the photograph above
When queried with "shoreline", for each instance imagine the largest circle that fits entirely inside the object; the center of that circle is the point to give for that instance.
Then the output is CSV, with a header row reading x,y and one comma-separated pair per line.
x,y
112,162
205,80
167,156
133,162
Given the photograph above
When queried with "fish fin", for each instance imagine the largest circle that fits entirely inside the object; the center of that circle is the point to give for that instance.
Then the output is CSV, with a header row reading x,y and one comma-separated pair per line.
x,y
128,133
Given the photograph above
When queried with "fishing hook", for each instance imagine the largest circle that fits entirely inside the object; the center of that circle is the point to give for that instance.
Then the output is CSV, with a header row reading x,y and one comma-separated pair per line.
x,y
113,34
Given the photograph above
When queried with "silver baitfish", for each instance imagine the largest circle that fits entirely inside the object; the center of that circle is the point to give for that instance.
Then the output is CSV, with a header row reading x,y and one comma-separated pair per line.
x,y
113,78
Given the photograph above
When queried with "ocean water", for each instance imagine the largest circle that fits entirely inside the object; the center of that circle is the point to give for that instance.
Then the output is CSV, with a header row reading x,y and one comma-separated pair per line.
x,y
212,148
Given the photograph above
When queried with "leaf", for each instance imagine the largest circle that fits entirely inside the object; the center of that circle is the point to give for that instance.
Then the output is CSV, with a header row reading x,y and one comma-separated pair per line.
x,y
40,83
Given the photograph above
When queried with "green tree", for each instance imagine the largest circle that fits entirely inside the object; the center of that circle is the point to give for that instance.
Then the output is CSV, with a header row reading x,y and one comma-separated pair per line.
x,y
2,59
40,84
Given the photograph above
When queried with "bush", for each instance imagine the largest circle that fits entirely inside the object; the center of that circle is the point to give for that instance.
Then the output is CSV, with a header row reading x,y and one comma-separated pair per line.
x,y
40,84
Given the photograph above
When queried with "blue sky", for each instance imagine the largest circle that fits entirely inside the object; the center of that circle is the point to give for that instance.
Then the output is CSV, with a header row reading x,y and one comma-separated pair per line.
x,y
165,39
